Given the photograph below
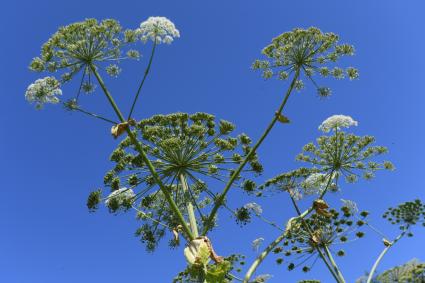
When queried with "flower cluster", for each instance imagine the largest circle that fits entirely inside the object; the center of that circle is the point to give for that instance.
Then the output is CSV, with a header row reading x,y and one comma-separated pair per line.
x,y
305,51
406,214
344,154
158,29
43,91
317,183
83,46
78,45
302,182
319,231
335,122
256,208
411,271
121,198
185,149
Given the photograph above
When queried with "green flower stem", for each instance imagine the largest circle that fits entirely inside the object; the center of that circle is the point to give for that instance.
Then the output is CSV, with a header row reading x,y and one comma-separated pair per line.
x,y
142,153
381,255
95,116
189,207
270,247
279,239
226,189
333,263
143,80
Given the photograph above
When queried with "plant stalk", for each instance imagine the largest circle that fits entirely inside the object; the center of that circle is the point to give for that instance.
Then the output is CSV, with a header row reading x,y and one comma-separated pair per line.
x,y
270,247
142,153
229,184
143,80
334,265
189,207
333,268
279,239
381,255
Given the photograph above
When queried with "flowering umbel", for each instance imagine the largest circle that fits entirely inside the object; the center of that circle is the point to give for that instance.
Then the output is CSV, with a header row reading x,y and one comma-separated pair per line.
x,y
43,91
343,153
84,46
306,52
158,30
335,122
320,231
185,150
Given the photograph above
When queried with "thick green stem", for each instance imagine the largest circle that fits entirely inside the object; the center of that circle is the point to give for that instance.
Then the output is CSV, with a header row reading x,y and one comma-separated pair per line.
x,y
334,265
143,81
381,255
142,153
189,207
229,184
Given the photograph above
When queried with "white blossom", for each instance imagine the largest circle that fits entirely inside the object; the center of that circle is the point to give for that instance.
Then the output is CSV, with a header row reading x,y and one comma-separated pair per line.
x,y
254,207
351,205
336,122
158,29
43,90
257,243
120,196
262,278
316,183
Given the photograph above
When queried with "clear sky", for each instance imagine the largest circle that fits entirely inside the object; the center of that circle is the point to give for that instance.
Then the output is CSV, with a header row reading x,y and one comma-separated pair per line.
x,y
50,160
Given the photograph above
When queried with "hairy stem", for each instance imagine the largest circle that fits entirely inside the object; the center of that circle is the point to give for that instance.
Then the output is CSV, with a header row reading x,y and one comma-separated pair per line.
x,y
229,184
382,254
142,153
143,80
189,207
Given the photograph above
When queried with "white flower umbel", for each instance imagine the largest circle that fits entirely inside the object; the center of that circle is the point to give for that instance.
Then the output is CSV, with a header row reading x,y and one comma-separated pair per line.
x,y
43,91
257,243
316,183
256,208
120,196
158,29
336,122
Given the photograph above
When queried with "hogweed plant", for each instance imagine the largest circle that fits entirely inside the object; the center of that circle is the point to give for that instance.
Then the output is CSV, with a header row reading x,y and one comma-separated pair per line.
x,y
167,167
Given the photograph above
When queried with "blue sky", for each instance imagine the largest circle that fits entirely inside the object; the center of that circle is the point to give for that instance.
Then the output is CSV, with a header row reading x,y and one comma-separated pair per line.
x,y
51,160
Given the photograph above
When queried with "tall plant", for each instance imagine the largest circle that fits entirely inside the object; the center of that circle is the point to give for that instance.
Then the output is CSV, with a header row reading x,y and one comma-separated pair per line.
x,y
164,165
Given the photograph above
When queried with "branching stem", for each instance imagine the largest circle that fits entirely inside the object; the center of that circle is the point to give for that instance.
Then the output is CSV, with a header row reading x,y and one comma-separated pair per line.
x,y
142,153
229,184
382,254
